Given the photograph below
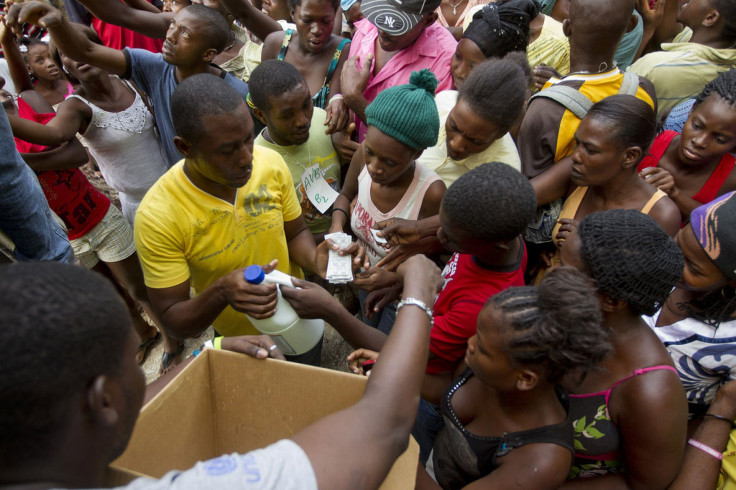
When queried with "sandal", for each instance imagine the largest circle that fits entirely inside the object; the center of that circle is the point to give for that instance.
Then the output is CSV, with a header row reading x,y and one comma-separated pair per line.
x,y
170,359
146,345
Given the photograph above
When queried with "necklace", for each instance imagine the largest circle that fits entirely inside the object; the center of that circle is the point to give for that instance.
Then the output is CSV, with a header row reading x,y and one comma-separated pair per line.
x,y
227,48
455,6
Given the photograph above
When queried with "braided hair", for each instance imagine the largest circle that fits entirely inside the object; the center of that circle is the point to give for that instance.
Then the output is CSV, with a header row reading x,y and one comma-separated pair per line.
x,y
556,325
724,86
630,257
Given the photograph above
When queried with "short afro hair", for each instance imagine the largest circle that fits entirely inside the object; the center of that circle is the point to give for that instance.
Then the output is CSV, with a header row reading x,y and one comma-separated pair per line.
x,y
293,4
727,10
492,202
496,91
199,96
272,78
556,325
216,28
630,258
62,326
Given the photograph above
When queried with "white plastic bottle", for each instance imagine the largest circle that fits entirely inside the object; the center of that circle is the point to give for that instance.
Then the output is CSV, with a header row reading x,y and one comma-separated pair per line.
x,y
293,335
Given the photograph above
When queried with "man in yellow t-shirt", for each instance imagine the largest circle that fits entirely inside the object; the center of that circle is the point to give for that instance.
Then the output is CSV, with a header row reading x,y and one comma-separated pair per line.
x,y
224,207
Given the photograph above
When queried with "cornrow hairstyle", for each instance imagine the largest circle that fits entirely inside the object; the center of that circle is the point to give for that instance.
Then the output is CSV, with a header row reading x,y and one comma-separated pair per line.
x,y
492,202
724,86
198,96
630,258
293,4
496,91
500,28
215,27
631,121
62,326
556,325
272,78
727,10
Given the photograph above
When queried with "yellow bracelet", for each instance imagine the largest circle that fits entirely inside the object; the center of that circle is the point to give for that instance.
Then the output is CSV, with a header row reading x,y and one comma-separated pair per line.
x,y
217,343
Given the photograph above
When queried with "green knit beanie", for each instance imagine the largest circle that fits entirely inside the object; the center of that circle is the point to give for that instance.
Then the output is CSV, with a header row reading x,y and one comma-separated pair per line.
x,y
408,112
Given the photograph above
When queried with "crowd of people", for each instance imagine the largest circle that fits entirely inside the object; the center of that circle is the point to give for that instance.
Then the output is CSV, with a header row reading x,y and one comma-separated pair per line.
x,y
568,166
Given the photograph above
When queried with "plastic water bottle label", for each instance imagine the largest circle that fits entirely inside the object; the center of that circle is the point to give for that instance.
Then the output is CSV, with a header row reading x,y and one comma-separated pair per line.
x,y
283,345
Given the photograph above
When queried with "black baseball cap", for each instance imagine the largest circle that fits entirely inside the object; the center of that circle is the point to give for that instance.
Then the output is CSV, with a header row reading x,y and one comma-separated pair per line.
x,y
397,17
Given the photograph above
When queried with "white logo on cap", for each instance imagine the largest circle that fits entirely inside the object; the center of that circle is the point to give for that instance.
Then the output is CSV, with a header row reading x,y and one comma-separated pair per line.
x,y
389,21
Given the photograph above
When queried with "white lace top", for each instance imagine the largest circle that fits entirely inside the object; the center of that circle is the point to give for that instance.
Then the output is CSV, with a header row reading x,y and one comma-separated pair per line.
x,y
127,150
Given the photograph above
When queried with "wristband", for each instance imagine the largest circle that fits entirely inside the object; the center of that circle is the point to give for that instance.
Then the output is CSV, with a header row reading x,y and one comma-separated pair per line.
x,y
341,210
420,304
217,343
706,449
721,417
336,97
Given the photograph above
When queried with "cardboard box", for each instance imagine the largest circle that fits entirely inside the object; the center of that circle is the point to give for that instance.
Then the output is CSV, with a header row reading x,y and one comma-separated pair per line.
x,y
225,402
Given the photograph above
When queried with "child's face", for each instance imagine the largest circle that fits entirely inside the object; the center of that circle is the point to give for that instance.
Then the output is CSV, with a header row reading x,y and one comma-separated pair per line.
x,y
455,239
709,133
386,159
41,64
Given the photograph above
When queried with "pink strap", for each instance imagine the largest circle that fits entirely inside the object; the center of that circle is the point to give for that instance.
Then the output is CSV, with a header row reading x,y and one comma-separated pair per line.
x,y
638,372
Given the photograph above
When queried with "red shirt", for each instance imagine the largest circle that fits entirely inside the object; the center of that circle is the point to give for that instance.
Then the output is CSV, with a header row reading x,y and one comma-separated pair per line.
x,y
117,37
69,193
710,189
467,288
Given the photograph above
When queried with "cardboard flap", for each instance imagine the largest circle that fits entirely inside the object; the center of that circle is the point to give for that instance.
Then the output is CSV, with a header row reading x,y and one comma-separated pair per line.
x,y
175,429
225,402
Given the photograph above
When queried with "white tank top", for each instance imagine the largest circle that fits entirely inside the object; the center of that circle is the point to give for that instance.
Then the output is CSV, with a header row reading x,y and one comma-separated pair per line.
x,y
366,214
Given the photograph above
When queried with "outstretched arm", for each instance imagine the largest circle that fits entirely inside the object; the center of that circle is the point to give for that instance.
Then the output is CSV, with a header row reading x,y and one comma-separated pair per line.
x,y
260,24
70,40
70,155
60,129
151,23
380,422
16,65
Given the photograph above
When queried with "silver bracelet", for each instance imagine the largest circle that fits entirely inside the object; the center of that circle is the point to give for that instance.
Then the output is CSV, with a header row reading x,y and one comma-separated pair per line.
x,y
420,304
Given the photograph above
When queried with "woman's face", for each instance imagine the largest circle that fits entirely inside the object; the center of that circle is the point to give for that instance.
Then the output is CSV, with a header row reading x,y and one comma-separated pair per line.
x,y
41,64
467,132
386,158
701,273
277,9
467,56
486,354
598,157
314,20
709,133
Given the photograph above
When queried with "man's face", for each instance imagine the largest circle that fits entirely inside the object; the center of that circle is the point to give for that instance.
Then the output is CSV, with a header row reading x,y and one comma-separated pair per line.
x,y
132,384
391,43
224,153
289,116
185,42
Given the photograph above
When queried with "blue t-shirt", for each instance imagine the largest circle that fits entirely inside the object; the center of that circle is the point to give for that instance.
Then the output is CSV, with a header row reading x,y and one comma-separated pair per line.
x,y
157,79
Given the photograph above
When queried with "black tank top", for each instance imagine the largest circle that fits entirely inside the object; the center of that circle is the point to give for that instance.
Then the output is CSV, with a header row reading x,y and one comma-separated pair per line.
x,y
461,457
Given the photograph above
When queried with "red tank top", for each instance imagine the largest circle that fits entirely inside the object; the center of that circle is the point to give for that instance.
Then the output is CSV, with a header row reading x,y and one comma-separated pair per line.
x,y
709,191
69,193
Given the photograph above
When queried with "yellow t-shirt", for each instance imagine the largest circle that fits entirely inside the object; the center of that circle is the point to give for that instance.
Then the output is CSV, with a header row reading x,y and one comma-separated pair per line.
x,y
183,233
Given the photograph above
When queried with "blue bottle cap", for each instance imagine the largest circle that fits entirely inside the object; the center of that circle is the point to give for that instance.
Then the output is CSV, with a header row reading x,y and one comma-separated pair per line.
x,y
254,274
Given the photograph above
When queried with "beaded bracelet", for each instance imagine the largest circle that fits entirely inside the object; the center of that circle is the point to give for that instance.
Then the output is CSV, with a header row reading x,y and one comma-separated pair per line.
x,y
706,449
